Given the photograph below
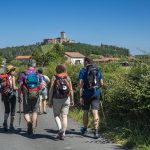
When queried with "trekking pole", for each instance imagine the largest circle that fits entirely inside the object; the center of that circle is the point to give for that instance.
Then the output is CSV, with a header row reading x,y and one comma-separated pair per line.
x,y
101,104
19,114
19,100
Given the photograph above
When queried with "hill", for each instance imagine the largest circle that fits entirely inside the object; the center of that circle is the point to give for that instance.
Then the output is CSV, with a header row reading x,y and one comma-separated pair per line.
x,y
107,50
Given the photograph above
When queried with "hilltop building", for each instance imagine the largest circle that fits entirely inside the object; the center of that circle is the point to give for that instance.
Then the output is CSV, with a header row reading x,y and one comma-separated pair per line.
x,y
60,39
74,57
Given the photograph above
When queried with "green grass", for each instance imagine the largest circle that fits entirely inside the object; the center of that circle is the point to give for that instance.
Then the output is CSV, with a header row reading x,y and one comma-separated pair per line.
x,y
118,132
77,114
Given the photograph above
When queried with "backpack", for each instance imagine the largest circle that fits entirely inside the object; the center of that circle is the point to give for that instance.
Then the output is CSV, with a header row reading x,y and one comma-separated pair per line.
x,y
91,77
4,83
42,81
31,84
62,87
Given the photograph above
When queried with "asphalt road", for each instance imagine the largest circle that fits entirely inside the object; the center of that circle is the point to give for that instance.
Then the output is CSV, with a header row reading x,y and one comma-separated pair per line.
x,y
44,138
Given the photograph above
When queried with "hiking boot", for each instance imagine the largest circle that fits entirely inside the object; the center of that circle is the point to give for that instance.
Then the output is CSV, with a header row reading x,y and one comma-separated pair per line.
x,y
96,134
30,130
83,130
60,135
11,127
5,126
39,113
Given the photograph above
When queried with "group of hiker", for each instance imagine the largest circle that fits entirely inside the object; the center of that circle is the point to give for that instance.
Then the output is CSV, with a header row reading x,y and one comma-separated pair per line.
x,y
32,91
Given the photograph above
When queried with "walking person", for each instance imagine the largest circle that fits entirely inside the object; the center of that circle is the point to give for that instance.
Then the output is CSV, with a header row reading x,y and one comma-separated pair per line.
x,y
90,82
8,91
60,98
44,82
29,87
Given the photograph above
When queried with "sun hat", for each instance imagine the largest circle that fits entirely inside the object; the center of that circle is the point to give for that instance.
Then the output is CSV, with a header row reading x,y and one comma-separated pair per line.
x,y
10,68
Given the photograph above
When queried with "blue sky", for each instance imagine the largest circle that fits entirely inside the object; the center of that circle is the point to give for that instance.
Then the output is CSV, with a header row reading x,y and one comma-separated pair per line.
x,y
124,23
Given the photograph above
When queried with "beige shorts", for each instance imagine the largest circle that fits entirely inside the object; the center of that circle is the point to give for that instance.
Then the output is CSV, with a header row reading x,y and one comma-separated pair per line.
x,y
61,106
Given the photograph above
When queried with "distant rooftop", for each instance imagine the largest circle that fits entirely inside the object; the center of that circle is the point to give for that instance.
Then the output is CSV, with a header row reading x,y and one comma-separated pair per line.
x,y
74,54
23,57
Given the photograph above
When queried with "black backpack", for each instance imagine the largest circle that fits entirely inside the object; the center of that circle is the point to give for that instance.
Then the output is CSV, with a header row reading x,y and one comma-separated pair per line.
x,y
61,87
91,77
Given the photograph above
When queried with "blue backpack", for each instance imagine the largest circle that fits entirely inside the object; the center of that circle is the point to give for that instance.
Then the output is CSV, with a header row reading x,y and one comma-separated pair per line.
x,y
32,80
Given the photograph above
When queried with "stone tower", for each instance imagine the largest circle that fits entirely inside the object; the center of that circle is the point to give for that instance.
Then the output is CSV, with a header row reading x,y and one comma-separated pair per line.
x,y
62,35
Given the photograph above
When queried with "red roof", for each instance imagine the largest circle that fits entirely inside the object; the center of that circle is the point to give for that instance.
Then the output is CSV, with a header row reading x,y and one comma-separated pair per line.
x,y
23,57
74,54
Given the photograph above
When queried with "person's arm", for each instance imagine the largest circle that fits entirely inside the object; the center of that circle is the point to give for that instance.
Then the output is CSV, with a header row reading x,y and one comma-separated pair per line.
x,y
81,83
71,94
14,83
81,91
51,90
101,83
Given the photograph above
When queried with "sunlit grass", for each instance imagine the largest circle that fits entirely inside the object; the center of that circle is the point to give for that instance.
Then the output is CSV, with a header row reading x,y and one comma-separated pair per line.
x,y
131,138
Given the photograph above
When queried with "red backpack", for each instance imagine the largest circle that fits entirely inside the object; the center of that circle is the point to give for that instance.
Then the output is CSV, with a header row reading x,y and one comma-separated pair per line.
x,y
62,86
4,83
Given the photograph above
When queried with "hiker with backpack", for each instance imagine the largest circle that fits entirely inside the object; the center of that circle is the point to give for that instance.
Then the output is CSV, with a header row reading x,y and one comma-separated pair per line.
x,y
8,91
44,81
90,83
29,88
60,98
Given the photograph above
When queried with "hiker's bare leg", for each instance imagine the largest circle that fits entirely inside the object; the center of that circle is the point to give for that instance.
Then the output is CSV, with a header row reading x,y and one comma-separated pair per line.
x,y
58,122
40,105
85,118
34,119
64,123
95,118
27,118
44,105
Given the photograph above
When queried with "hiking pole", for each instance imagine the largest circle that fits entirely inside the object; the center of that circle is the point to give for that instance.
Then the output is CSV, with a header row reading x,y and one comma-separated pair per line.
x,y
101,104
19,114
102,110
19,100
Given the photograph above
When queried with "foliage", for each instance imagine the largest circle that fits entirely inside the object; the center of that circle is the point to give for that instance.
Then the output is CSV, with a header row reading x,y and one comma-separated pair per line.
x,y
11,52
130,94
104,50
126,93
48,53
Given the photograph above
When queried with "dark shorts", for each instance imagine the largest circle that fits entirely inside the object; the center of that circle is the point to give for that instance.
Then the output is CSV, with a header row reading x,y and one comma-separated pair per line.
x,y
9,104
29,105
91,103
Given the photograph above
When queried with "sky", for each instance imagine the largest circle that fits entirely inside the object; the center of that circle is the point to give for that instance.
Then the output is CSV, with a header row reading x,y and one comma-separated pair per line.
x,y
123,23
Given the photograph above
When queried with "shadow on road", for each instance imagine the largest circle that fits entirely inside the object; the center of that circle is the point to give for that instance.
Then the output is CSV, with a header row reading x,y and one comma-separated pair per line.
x,y
22,132
68,132
71,133
38,136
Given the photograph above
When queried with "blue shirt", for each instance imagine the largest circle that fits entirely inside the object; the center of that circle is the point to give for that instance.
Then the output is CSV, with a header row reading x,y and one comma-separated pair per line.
x,y
89,92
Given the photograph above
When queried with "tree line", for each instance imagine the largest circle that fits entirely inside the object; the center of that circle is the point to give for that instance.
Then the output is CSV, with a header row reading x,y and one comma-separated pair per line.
x,y
86,49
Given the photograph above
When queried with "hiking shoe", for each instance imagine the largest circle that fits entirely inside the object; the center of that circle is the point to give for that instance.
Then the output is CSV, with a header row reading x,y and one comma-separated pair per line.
x,y
60,135
5,126
44,112
39,113
96,134
30,130
11,127
83,130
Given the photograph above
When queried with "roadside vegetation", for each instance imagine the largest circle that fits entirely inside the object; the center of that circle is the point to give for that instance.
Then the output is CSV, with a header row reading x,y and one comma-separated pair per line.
x,y
125,96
